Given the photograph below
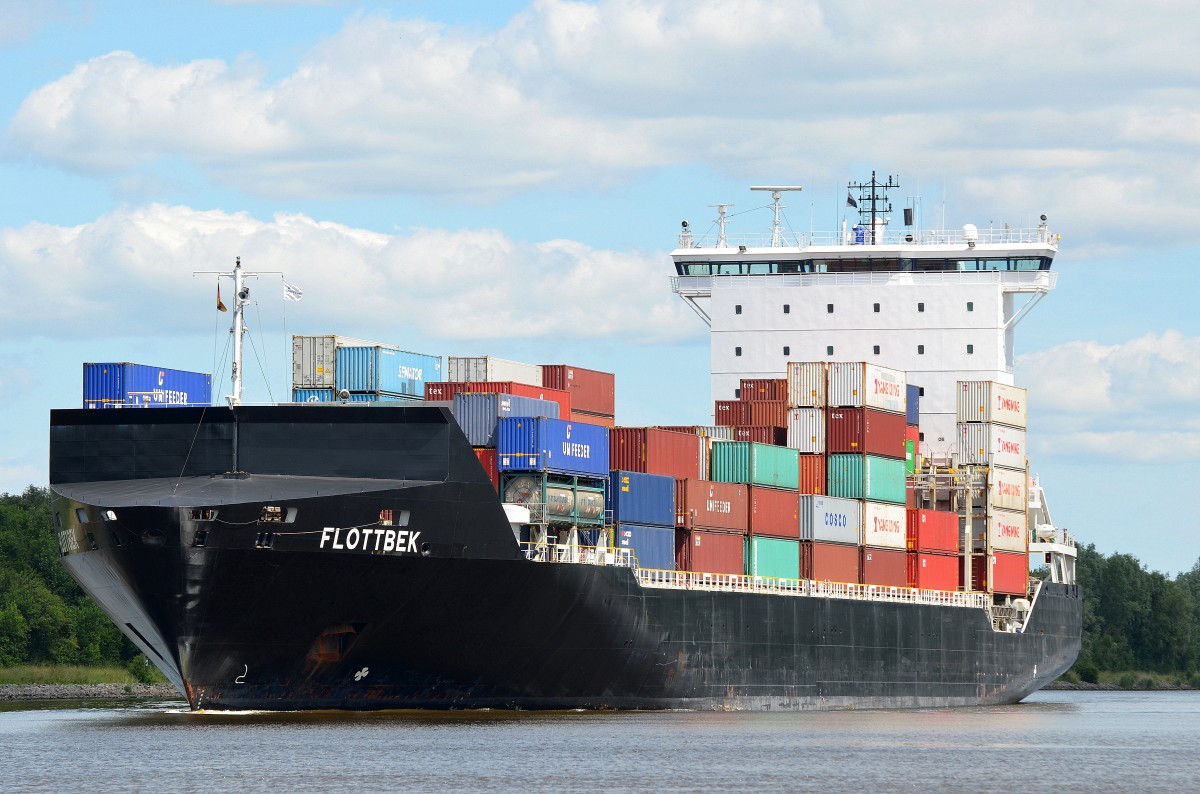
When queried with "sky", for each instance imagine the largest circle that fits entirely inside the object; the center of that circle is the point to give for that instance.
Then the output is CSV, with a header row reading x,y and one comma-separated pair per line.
x,y
508,178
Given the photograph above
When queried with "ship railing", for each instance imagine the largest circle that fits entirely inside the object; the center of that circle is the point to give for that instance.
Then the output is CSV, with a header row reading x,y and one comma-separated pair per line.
x,y
989,236
1013,280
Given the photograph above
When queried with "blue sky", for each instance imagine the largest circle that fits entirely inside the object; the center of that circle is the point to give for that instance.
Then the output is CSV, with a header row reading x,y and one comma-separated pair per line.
x,y
508,178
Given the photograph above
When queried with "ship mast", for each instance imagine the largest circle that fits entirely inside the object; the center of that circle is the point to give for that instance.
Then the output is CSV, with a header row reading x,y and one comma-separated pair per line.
x,y
241,297
873,203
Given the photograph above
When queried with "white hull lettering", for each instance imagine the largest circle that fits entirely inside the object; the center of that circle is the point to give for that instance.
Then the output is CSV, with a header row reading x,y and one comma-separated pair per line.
x,y
399,541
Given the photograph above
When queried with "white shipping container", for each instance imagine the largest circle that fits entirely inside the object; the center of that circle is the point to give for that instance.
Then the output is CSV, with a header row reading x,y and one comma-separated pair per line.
x,y
806,384
1006,489
491,369
857,384
988,401
884,526
806,430
314,359
830,519
991,445
1006,530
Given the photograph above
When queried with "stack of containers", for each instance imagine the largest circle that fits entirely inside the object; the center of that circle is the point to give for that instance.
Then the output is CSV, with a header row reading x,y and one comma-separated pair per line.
x,y
712,520
934,562
558,464
643,516
760,412
654,451
865,435
593,393
125,385
806,389
830,532
773,522
707,435
479,416
326,364
991,433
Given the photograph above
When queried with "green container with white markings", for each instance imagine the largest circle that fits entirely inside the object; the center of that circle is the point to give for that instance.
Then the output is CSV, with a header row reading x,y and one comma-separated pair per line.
x,y
867,477
774,557
752,463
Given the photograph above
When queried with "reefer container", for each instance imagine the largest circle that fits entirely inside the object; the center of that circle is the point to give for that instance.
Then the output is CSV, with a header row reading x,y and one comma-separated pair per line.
x,y
755,464
703,551
988,401
762,389
867,477
912,404
379,368
490,368
479,414
314,360
773,557
653,546
1005,530
806,430
991,445
1002,572
637,498
865,430
812,474
806,384
884,567
860,385
524,390
884,526
732,413
591,391
830,562
487,459
933,531
768,413
827,519
125,385
1006,489
774,512
775,436
653,451
552,445
930,571
704,504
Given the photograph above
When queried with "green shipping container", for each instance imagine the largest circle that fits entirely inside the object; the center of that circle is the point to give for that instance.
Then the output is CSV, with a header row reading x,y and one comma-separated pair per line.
x,y
756,464
774,557
867,477
910,457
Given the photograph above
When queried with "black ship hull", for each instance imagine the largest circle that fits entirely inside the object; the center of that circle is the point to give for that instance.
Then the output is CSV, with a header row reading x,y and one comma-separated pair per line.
x,y
386,585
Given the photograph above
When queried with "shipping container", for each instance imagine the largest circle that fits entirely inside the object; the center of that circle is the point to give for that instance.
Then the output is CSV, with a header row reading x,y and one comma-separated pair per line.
x,y
490,369
934,531
774,512
444,390
867,477
313,395
705,431
653,451
768,413
912,404
929,571
775,436
732,413
559,396
479,414
773,557
384,369
812,474
806,384
885,526
830,562
329,396
884,567
806,430
861,385
603,420
704,551
552,445
910,458
763,389
1006,489
125,385
865,430
555,499
703,504
314,360
1003,572
653,546
487,459
591,391
991,445
755,464
827,519
638,498
991,402
1005,530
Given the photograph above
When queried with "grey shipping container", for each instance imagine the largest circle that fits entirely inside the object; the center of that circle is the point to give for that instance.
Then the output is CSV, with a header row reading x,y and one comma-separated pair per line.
x,y
478,414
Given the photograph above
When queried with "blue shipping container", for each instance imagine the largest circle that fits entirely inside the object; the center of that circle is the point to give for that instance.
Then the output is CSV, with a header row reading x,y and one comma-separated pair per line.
x,y
552,445
912,413
638,498
312,395
327,396
479,414
125,385
654,547
385,370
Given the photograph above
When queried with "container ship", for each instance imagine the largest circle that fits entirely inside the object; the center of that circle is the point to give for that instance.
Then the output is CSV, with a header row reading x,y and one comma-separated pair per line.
x,y
854,528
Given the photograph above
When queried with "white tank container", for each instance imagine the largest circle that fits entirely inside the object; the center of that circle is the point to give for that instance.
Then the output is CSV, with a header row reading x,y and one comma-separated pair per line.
x,y
988,401
884,526
857,384
489,368
806,430
806,382
991,445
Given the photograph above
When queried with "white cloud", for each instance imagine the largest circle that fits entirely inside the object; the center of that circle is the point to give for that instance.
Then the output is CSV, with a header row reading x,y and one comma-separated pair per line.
x,y
130,271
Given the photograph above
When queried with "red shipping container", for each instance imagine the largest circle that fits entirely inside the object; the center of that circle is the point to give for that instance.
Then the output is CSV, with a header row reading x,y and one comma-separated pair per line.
x,y
864,430
762,389
768,413
443,390
910,495
913,433
679,428
776,436
933,530
592,419
732,413
832,562
591,391
885,567
701,551
653,451
1009,572
934,571
487,457
774,513
812,474
563,398
703,504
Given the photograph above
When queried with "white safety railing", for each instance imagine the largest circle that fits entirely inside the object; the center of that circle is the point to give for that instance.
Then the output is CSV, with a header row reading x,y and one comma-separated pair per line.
x,y
989,236
1013,280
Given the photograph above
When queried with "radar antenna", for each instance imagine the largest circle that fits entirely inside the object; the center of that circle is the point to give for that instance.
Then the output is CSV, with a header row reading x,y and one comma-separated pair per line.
x,y
873,202
721,221
776,192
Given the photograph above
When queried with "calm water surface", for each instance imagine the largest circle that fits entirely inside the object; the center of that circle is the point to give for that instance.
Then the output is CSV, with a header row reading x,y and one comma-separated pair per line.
x,y
1065,741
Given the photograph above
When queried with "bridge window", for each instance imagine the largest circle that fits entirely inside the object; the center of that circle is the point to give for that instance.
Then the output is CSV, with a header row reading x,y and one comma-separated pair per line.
x,y
920,307
970,306
876,308
829,308
920,350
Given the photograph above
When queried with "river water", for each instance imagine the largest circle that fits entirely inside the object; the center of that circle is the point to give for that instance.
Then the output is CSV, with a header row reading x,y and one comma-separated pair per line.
x,y
1067,741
